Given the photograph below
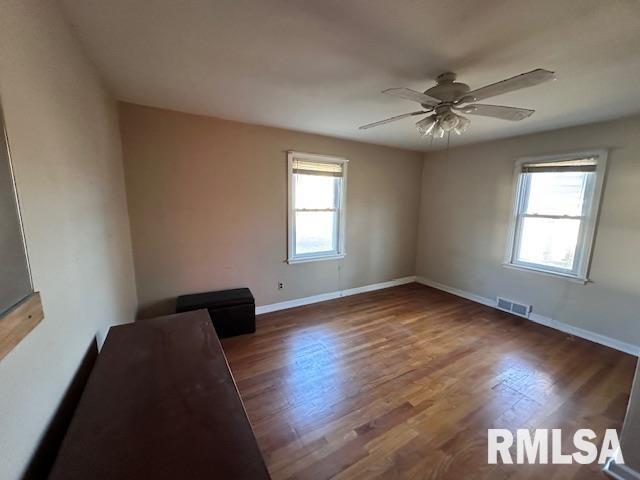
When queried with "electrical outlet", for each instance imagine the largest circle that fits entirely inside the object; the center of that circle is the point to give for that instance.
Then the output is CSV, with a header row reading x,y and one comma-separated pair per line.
x,y
280,285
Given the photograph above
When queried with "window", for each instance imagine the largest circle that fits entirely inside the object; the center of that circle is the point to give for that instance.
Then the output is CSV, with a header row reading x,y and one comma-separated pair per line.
x,y
20,306
15,277
317,186
555,213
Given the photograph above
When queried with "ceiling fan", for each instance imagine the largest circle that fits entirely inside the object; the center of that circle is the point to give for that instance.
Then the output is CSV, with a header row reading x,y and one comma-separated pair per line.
x,y
448,97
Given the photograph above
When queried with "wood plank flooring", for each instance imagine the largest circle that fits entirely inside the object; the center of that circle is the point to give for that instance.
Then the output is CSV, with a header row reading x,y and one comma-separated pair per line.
x,y
404,382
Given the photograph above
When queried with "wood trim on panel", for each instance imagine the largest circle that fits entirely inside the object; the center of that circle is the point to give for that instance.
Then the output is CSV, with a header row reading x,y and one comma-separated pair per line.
x,y
17,322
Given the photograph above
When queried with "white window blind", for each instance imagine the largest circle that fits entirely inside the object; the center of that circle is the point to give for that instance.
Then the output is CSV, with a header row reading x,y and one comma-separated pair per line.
x,y
302,167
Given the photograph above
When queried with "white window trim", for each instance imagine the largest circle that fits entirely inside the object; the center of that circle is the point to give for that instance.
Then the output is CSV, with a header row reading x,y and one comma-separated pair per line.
x,y
291,233
590,212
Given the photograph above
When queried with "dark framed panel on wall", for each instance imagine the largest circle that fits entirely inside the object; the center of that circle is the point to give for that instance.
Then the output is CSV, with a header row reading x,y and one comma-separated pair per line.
x,y
20,305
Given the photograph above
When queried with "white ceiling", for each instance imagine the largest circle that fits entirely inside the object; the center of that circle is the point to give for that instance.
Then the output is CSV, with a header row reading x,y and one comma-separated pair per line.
x,y
319,65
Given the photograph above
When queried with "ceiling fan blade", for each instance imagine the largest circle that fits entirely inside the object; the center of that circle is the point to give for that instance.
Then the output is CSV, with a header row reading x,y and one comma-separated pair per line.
x,y
392,119
412,95
524,80
497,111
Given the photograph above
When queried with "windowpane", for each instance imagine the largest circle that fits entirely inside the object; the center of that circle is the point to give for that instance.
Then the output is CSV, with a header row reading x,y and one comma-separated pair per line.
x,y
15,278
315,191
557,193
549,242
315,232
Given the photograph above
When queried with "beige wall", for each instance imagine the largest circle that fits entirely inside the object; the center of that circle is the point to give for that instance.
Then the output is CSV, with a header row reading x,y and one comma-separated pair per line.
x,y
465,210
66,151
207,202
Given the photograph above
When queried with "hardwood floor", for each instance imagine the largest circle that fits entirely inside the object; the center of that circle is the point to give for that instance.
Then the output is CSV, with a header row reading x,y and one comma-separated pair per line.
x,y
404,382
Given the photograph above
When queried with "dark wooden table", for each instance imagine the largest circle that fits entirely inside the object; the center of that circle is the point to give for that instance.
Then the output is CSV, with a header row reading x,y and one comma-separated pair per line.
x,y
161,403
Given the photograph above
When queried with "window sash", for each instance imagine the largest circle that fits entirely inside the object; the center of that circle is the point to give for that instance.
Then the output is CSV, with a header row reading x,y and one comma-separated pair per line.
x,y
334,241
336,225
555,217
587,161
521,215
543,266
311,210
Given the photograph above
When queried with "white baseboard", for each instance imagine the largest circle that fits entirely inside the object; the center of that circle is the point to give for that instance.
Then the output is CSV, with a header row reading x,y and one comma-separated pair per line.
x,y
549,322
298,302
460,293
620,471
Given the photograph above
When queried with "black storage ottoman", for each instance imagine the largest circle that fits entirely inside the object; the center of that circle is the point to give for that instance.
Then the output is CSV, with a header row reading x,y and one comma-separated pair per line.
x,y
233,312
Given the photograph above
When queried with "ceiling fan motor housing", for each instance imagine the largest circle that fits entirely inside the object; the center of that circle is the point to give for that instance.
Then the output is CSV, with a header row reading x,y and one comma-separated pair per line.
x,y
447,89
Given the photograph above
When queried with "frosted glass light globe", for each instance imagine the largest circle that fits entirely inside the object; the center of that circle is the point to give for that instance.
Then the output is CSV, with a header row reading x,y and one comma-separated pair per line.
x,y
448,121
425,126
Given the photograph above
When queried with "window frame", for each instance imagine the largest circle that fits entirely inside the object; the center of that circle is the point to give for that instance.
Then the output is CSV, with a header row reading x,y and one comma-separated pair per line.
x,y
19,319
340,251
589,216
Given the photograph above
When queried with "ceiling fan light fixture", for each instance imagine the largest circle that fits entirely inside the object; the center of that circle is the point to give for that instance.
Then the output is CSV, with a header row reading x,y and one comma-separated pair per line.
x,y
426,125
440,124
463,124
448,97
448,121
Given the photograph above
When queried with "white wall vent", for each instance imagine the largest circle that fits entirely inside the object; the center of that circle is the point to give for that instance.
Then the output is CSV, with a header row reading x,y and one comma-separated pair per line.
x,y
514,307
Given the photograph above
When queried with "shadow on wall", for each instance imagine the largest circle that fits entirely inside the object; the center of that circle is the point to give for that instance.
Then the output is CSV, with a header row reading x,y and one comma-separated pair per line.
x,y
47,450
157,308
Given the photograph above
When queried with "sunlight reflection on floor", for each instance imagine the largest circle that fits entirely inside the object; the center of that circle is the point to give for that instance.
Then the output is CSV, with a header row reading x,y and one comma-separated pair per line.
x,y
310,354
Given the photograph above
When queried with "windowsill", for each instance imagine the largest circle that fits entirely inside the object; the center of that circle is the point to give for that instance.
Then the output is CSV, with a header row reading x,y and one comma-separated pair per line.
x,y
18,321
317,258
549,273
